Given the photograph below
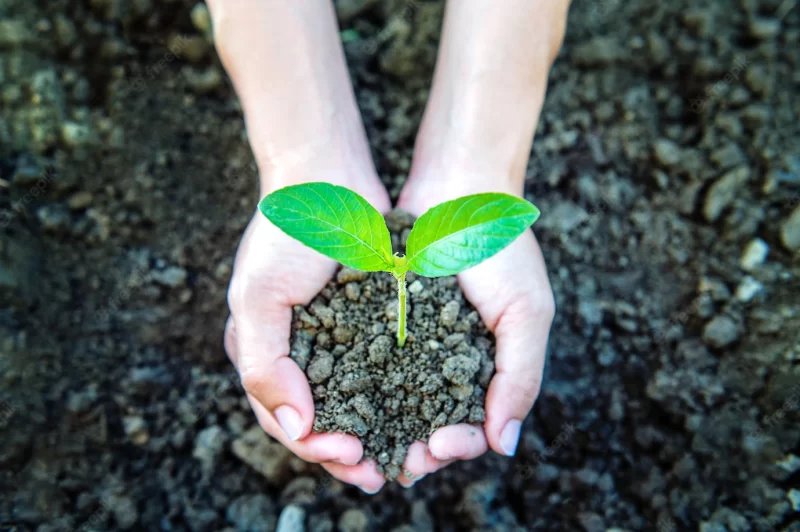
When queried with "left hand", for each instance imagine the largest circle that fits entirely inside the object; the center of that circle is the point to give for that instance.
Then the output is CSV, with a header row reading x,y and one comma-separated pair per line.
x,y
512,293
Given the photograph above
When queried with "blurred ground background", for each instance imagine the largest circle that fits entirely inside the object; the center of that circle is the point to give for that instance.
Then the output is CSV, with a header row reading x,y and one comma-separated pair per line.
x,y
667,166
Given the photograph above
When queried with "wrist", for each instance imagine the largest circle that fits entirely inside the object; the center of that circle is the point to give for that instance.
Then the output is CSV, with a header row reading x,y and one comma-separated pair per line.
x,y
300,112
467,147
441,181
480,126
481,116
328,165
454,158
339,156
327,140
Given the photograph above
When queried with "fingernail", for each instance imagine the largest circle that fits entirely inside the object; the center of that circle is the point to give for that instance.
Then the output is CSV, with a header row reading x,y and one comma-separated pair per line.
x,y
509,438
437,454
365,490
415,480
290,421
342,462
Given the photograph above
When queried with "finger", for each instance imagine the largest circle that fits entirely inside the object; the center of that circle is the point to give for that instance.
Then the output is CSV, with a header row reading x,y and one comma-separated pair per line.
x,y
333,447
522,336
513,295
461,442
314,448
259,337
365,475
418,463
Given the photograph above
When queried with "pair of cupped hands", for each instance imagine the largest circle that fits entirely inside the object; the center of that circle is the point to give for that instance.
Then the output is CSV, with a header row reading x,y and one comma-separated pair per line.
x,y
274,272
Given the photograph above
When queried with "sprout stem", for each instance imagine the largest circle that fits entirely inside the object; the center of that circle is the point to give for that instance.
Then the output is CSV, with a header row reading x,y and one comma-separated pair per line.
x,y
401,309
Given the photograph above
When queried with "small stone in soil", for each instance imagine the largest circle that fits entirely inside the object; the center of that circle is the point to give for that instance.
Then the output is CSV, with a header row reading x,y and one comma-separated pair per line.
x,y
666,152
342,335
748,289
321,367
349,275
136,429
461,392
477,415
301,348
292,518
459,369
458,414
720,332
324,313
416,287
724,191
352,291
379,350
363,406
352,423
449,314
354,520
790,231
754,254
355,382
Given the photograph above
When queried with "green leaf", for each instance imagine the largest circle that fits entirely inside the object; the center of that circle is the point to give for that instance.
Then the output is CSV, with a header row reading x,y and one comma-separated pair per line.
x,y
459,234
333,220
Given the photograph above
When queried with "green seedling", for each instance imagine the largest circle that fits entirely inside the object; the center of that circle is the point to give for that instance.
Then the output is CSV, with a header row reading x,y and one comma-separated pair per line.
x,y
446,240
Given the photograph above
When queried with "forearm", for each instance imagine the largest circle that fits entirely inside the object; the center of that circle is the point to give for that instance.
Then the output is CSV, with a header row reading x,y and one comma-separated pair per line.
x,y
489,85
286,63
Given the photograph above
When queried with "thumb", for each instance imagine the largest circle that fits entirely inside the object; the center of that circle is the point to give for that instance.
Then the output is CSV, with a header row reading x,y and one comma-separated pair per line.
x,y
521,333
268,375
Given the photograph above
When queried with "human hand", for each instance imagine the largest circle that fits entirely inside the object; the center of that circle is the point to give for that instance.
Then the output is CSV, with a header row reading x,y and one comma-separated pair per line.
x,y
512,294
303,125
273,272
475,137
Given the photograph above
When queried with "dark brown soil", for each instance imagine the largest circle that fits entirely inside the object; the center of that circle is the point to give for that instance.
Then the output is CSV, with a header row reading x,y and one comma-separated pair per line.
x,y
390,397
667,168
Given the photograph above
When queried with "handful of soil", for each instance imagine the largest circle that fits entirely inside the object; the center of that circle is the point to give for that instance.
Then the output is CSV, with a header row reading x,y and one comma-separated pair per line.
x,y
390,397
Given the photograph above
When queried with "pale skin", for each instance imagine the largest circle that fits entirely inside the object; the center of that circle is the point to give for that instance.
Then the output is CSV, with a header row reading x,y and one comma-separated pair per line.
x,y
287,65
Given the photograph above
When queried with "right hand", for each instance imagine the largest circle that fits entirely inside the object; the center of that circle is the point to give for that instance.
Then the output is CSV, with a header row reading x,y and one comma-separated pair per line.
x,y
271,274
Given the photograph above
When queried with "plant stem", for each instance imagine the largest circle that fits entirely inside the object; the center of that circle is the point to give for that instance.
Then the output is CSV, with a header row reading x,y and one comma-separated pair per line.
x,y
401,309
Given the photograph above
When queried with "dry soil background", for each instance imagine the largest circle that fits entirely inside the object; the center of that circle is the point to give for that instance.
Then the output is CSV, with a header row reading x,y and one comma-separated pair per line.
x,y
667,166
